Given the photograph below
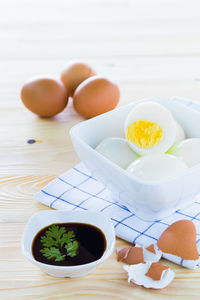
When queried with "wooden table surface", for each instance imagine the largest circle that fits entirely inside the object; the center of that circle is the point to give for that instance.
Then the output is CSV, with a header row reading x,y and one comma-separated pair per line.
x,y
149,48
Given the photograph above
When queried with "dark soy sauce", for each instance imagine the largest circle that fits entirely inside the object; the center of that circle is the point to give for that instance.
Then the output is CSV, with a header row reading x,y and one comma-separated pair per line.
x,y
92,244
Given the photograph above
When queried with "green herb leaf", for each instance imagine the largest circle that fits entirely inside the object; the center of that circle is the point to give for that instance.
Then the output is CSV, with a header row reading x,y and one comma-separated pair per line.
x,y
53,236
52,253
72,248
56,241
67,237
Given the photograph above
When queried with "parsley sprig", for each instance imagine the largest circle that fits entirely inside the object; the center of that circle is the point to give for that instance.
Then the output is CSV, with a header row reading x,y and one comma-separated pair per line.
x,y
58,244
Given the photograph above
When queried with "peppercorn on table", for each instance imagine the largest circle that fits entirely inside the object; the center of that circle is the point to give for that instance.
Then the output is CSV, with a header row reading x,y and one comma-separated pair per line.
x,y
148,48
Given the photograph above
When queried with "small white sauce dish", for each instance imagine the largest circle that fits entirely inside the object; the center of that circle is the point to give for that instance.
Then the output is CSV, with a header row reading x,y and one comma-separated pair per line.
x,y
44,218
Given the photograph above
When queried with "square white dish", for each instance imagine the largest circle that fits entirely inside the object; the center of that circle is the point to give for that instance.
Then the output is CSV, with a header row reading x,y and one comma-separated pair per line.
x,y
149,201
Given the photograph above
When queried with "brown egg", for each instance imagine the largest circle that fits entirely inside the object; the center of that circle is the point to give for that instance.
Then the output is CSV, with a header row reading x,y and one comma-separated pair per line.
x,y
95,96
45,97
75,73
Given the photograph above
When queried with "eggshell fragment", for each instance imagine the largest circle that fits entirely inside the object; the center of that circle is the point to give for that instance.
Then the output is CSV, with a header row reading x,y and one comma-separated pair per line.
x,y
155,271
132,255
45,97
152,253
135,255
75,73
179,239
122,253
95,96
117,150
151,248
137,274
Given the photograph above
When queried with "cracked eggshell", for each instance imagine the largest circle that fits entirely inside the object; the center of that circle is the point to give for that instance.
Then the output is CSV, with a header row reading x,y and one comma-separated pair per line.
x,y
135,255
151,248
179,239
122,253
152,253
137,274
130,255
117,150
155,271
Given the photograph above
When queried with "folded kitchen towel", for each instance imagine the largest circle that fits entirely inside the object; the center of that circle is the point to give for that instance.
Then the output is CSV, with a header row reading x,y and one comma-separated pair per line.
x,y
78,190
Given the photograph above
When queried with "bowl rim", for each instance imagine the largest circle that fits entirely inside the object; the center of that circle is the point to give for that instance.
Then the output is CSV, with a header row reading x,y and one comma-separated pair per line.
x,y
74,135
106,254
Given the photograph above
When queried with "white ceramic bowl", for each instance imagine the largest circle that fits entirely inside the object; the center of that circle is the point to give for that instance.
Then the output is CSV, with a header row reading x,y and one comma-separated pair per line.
x,y
149,201
45,218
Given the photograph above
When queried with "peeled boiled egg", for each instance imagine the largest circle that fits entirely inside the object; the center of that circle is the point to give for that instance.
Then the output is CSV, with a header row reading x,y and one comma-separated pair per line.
x,y
45,97
118,151
150,128
180,134
157,167
188,150
94,96
75,73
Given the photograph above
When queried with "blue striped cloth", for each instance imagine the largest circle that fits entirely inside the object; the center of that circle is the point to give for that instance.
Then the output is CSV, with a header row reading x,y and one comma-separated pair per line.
x,y
78,190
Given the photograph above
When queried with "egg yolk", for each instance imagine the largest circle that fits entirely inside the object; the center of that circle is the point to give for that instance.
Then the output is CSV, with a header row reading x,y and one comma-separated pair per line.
x,y
144,133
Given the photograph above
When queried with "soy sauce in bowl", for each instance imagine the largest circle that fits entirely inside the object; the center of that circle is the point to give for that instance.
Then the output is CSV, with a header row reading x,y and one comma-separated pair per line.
x,y
68,244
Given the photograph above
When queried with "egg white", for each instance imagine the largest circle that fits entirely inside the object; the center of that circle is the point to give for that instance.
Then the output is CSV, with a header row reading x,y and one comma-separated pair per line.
x,y
117,150
156,167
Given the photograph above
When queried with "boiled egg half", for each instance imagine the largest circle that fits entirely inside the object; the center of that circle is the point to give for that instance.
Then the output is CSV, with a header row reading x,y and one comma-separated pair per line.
x,y
150,128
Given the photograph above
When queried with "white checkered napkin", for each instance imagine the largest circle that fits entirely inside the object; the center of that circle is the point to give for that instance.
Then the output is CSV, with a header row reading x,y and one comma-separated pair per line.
x,y
78,190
